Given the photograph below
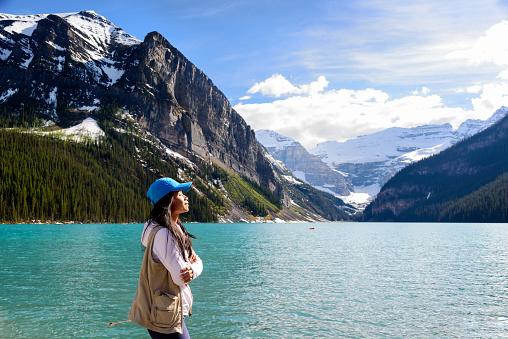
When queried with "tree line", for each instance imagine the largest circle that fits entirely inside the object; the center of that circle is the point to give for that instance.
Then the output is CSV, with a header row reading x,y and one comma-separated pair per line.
x,y
47,179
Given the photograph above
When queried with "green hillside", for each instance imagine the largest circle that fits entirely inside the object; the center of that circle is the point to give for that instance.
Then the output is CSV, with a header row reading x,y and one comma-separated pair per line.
x,y
48,179
490,202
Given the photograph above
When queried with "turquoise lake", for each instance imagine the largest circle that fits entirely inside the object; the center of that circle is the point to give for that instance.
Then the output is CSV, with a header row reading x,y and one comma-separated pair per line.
x,y
339,280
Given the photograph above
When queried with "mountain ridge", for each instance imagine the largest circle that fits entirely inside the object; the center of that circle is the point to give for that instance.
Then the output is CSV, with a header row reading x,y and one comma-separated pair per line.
x,y
390,150
151,78
67,68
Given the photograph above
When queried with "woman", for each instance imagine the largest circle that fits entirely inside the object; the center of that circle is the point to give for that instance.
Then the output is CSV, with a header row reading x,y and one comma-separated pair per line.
x,y
164,298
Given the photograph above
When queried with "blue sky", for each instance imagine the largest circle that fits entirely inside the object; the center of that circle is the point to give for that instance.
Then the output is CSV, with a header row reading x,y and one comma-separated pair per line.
x,y
330,70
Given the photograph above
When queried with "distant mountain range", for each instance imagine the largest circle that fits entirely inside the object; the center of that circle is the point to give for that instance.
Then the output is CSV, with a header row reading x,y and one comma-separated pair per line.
x,y
467,182
59,70
367,162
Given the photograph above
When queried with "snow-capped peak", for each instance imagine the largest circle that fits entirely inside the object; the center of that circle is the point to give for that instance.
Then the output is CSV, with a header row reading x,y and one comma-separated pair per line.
x,y
471,127
99,37
100,29
271,139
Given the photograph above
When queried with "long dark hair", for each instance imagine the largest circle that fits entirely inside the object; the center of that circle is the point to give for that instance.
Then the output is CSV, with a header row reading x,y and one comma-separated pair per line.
x,y
161,214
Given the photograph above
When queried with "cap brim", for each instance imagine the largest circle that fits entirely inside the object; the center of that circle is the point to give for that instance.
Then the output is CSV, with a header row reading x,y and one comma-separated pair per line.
x,y
185,187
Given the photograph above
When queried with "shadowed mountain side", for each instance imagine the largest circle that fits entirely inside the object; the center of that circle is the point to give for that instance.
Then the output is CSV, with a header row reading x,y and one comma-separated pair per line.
x,y
436,188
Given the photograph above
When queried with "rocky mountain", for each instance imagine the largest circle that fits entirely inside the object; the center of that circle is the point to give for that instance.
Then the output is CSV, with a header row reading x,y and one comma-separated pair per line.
x,y
57,70
74,63
369,161
302,164
467,182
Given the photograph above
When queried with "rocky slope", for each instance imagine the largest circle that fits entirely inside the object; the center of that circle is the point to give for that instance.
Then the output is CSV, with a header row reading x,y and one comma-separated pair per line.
x,y
302,164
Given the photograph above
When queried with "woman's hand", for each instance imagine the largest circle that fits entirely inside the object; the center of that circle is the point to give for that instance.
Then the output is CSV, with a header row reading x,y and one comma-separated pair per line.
x,y
187,274
193,257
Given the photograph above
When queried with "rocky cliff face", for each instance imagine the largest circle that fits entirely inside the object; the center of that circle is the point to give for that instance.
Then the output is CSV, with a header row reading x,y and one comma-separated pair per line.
x,y
59,66
304,165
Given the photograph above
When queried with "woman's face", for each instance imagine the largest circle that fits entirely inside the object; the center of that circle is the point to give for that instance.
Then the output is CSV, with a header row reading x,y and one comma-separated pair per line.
x,y
180,203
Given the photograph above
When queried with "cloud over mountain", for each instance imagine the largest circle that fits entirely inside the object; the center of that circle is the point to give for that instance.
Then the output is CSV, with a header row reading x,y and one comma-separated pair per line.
x,y
277,85
344,114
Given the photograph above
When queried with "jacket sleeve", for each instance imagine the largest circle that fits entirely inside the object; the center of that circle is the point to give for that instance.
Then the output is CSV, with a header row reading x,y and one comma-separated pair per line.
x,y
166,249
197,267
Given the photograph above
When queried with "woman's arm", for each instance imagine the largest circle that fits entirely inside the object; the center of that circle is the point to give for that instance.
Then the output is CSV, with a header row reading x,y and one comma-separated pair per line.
x,y
194,270
196,264
166,249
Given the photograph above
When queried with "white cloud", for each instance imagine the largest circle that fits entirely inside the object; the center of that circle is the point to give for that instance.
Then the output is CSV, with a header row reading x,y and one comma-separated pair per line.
x,y
503,75
345,114
423,91
492,47
492,97
246,97
474,89
277,85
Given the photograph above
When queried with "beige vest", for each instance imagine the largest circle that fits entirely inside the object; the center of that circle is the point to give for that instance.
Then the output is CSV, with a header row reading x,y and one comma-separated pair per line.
x,y
157,304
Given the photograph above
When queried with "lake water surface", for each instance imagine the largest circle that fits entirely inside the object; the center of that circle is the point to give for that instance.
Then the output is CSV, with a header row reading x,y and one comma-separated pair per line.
x,y
352,280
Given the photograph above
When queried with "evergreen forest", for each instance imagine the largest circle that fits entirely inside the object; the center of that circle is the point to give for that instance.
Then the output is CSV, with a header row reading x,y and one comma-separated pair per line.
x,y
46,179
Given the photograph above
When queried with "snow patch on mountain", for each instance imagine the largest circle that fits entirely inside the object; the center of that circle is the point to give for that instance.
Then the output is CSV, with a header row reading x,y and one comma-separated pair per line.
x,y
357,199
270,139
292,180
99,33
5,53
22,27
7,94
55,46
22,24
300,175
421,153
382,146
88,129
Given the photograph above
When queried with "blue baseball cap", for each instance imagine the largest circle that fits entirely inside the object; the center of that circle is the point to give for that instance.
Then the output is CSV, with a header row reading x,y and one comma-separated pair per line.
x,y
163,186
